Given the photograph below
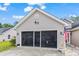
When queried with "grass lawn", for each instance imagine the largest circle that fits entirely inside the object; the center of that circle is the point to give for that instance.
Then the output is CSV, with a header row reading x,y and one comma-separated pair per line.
x,y
7,45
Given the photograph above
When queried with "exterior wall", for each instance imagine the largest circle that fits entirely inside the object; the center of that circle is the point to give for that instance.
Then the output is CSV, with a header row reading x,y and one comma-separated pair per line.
x,y
1,37
10,32
45,23
75,38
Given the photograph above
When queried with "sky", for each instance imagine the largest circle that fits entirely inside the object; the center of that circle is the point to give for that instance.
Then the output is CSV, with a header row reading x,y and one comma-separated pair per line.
x,y
12,12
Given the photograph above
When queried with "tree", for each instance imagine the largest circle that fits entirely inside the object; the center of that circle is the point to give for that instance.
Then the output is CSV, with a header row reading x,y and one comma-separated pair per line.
x,y
7,25
75,19
0,25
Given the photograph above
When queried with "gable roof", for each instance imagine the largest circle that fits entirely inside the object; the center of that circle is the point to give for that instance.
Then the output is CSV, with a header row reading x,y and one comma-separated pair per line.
x,y
74,29
68,21
3,30
75,24
36,9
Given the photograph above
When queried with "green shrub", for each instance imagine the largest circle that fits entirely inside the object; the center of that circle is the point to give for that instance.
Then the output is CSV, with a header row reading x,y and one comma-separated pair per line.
x,y
13,41
7,44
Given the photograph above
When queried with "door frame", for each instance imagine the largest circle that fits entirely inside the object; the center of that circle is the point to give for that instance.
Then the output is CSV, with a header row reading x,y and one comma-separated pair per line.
x,y
21,37
34,37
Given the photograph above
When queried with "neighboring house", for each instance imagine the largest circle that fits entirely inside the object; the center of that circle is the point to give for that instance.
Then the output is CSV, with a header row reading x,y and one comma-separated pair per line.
x,y
7,34
39,29
69,22
75,34
67,32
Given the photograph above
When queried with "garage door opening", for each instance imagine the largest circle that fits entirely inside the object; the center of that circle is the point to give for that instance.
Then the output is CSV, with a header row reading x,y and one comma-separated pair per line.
x,y
49,39
27,38
37,39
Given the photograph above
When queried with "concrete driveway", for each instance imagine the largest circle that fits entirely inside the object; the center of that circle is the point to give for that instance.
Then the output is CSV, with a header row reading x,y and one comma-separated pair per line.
x,y
72,51
31,51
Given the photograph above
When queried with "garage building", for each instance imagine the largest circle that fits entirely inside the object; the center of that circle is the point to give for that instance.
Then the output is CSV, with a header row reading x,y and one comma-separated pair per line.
x,y
40,29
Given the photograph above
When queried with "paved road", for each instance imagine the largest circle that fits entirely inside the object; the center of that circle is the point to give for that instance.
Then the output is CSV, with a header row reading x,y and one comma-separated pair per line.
x,y
31,51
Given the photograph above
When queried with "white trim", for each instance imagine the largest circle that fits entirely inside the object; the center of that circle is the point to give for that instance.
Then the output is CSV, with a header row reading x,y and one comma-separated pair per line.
x,y
20,38
33,38
40,38
36,9
71,21
57,39
74,29
24,18
53,17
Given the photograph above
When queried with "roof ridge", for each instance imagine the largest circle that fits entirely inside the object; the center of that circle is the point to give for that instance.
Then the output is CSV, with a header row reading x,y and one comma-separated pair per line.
x,y
37,9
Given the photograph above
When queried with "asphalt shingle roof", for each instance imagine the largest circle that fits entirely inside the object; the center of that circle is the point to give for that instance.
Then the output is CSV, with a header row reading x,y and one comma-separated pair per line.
x,y
3,30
